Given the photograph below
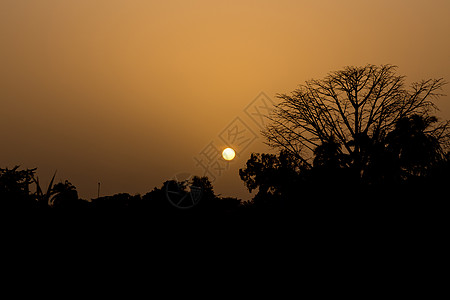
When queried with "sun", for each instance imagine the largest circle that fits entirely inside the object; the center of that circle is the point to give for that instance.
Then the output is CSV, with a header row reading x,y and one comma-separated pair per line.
x,y
228,154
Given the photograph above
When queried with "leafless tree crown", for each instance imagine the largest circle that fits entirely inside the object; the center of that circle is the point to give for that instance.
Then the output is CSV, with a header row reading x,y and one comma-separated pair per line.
x,y
346,105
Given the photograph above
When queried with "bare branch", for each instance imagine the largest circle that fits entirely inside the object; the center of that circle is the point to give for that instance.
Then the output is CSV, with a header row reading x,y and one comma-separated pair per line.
x,y
365,100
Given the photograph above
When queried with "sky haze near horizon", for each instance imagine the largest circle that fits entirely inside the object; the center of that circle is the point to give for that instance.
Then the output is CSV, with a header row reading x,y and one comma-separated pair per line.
x,y
129,92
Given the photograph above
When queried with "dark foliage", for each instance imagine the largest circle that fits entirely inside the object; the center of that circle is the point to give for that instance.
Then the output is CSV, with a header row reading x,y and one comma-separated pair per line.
x,y
356,145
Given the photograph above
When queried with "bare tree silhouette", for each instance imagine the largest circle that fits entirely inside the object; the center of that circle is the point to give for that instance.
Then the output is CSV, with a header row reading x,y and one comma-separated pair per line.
x,y
350,112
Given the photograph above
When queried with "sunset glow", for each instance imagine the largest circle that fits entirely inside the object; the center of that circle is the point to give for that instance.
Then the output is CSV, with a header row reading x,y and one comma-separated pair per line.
x,y
129,92
228,154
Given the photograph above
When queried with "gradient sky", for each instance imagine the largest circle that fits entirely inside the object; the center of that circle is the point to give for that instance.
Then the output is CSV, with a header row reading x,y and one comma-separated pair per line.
x,y
129,92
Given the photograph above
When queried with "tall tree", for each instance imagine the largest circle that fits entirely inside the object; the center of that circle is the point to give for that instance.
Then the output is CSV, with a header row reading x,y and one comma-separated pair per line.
x,y
349,112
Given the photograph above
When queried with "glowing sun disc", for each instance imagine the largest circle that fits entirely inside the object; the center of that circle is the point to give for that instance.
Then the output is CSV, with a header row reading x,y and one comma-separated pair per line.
x,y
228,154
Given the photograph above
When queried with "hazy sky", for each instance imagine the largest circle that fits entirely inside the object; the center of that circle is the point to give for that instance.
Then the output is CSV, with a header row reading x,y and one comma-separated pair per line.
x,y
129,92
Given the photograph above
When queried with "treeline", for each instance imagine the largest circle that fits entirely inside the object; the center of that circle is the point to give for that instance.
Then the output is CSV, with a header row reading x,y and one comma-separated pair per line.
x,y
358,142
282,187
21,190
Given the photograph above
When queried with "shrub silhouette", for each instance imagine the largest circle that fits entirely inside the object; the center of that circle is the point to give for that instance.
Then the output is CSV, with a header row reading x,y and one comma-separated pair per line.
x,y
15,188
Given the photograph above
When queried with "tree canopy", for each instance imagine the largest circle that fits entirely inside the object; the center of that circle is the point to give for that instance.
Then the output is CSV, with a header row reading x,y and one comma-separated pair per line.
x,y
343,117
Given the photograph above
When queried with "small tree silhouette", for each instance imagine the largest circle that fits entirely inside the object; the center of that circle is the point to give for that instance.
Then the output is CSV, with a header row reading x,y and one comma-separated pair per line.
x,y
65,195
415,147
275,176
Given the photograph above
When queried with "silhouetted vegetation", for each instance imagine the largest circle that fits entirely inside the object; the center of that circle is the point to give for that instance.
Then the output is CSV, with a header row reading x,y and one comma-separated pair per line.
x,y
356,136
356,139
21,190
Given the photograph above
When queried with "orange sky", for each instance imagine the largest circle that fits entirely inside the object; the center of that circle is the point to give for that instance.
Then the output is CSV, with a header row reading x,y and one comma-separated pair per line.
x,y
129,92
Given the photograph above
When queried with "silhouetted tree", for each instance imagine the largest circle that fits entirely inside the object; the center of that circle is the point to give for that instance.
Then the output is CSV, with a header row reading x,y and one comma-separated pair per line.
x,y
414,145
206,186
273,175
65,196
212,203
328,156
341,119
15,188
